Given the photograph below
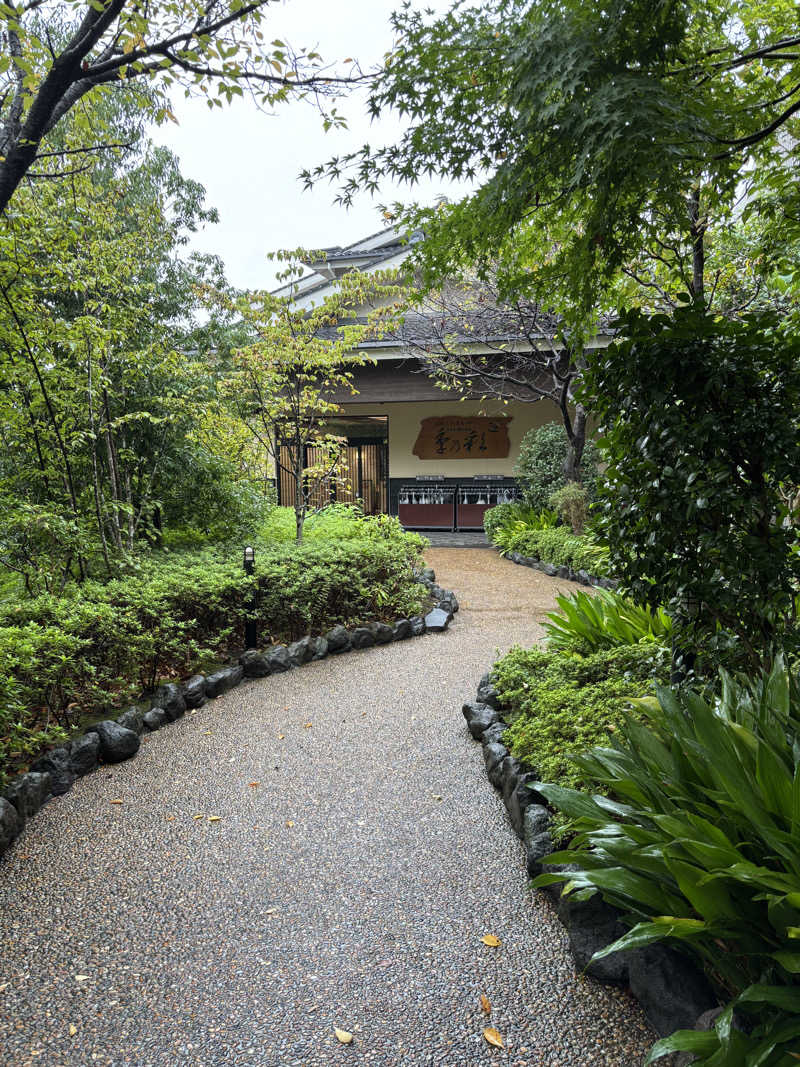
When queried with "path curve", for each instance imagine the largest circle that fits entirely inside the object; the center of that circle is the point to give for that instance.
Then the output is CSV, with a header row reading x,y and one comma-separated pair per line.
x,y
349,888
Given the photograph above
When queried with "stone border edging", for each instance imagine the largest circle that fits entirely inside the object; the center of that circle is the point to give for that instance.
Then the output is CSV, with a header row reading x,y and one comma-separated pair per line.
x,y
582,577
115,740
671,990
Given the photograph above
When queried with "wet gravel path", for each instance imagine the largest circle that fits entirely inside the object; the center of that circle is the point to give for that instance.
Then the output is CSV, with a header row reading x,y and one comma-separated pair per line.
x,y
349,887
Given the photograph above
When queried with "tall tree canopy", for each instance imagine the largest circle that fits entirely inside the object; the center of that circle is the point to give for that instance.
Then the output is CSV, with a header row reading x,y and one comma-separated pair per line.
x,y
56,52
601,127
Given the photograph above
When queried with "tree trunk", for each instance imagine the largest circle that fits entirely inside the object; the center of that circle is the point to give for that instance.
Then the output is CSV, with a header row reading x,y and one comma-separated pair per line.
x,y
299,498
576,443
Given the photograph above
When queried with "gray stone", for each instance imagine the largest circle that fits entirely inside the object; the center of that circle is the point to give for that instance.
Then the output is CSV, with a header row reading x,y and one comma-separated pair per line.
x,y
583,577
57,765
27,793
493,754
84,754
194,692
495,774
592,924
437,592
320,648
401,630
9,824
515,557
536,850
437,620
671,990
362,637
221,681
16,793
494,732
131,719
116,743
302,651
170,697
520,797
451,599
487,694
564,572
512,773
417,624
535,821
554,891
429,573
338,639
479,717
485,680
549,569
154,719
278,659
254,663
383,633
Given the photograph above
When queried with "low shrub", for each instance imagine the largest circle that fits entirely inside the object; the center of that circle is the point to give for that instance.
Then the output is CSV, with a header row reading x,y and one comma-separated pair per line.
x,y
572,504
539,465
561,704
562,548
701,848
588,622
516,515
63,657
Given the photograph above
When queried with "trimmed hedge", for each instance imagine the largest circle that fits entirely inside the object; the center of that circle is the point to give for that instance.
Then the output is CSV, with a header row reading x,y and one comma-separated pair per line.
x,y
62,658
561,547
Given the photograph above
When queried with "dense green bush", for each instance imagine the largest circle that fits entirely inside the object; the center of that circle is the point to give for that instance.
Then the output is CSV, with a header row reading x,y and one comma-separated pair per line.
x,y
561,704
97,645
571,502
561,547
589,622
702,849
700,454
538,469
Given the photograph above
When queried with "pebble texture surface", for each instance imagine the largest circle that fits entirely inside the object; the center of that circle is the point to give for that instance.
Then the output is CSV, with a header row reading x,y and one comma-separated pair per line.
x,y
313,850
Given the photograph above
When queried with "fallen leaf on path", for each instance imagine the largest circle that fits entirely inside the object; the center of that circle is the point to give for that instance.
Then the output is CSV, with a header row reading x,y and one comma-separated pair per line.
x,y
4,985
206,733
200,816
117,801
342,1036
490,940
254,785
170,818
214,818
281,737
485,1004
73,1029
82,977
493,1037
289,823
436,796
307,725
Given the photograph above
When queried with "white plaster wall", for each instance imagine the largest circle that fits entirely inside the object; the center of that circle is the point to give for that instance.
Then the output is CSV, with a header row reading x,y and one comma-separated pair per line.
x,y
404,426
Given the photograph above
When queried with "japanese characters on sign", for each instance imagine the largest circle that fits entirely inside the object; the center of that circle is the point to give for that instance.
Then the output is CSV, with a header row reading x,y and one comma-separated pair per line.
x,y
463,437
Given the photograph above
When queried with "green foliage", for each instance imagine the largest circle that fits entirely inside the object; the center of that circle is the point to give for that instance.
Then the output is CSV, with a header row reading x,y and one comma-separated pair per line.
x,y
62,657
562,704
604,619
693,508
539,466
516,515
700,849
572,504
561,547
584,126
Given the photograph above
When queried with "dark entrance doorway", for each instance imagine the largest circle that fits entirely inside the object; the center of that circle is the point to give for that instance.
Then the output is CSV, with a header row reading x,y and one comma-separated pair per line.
x,y
366,462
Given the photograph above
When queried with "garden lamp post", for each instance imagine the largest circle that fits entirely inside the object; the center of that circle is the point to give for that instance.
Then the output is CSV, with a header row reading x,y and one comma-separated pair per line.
x,y
250,634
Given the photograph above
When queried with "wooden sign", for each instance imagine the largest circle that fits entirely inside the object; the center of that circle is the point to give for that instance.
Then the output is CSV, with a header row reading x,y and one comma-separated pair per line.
x,y
463,437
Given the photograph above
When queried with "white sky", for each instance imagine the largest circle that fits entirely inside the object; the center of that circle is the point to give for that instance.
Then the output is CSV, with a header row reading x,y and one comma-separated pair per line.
x,y
249,161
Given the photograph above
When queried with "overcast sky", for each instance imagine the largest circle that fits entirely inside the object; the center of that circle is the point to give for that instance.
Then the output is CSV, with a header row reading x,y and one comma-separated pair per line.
x,y
249,161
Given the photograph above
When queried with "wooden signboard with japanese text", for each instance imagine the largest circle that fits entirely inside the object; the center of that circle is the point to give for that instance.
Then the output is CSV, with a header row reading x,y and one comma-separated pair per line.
x,y
463,437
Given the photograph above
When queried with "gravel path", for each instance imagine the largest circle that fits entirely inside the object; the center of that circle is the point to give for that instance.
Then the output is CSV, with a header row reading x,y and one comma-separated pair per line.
x,y
359,857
